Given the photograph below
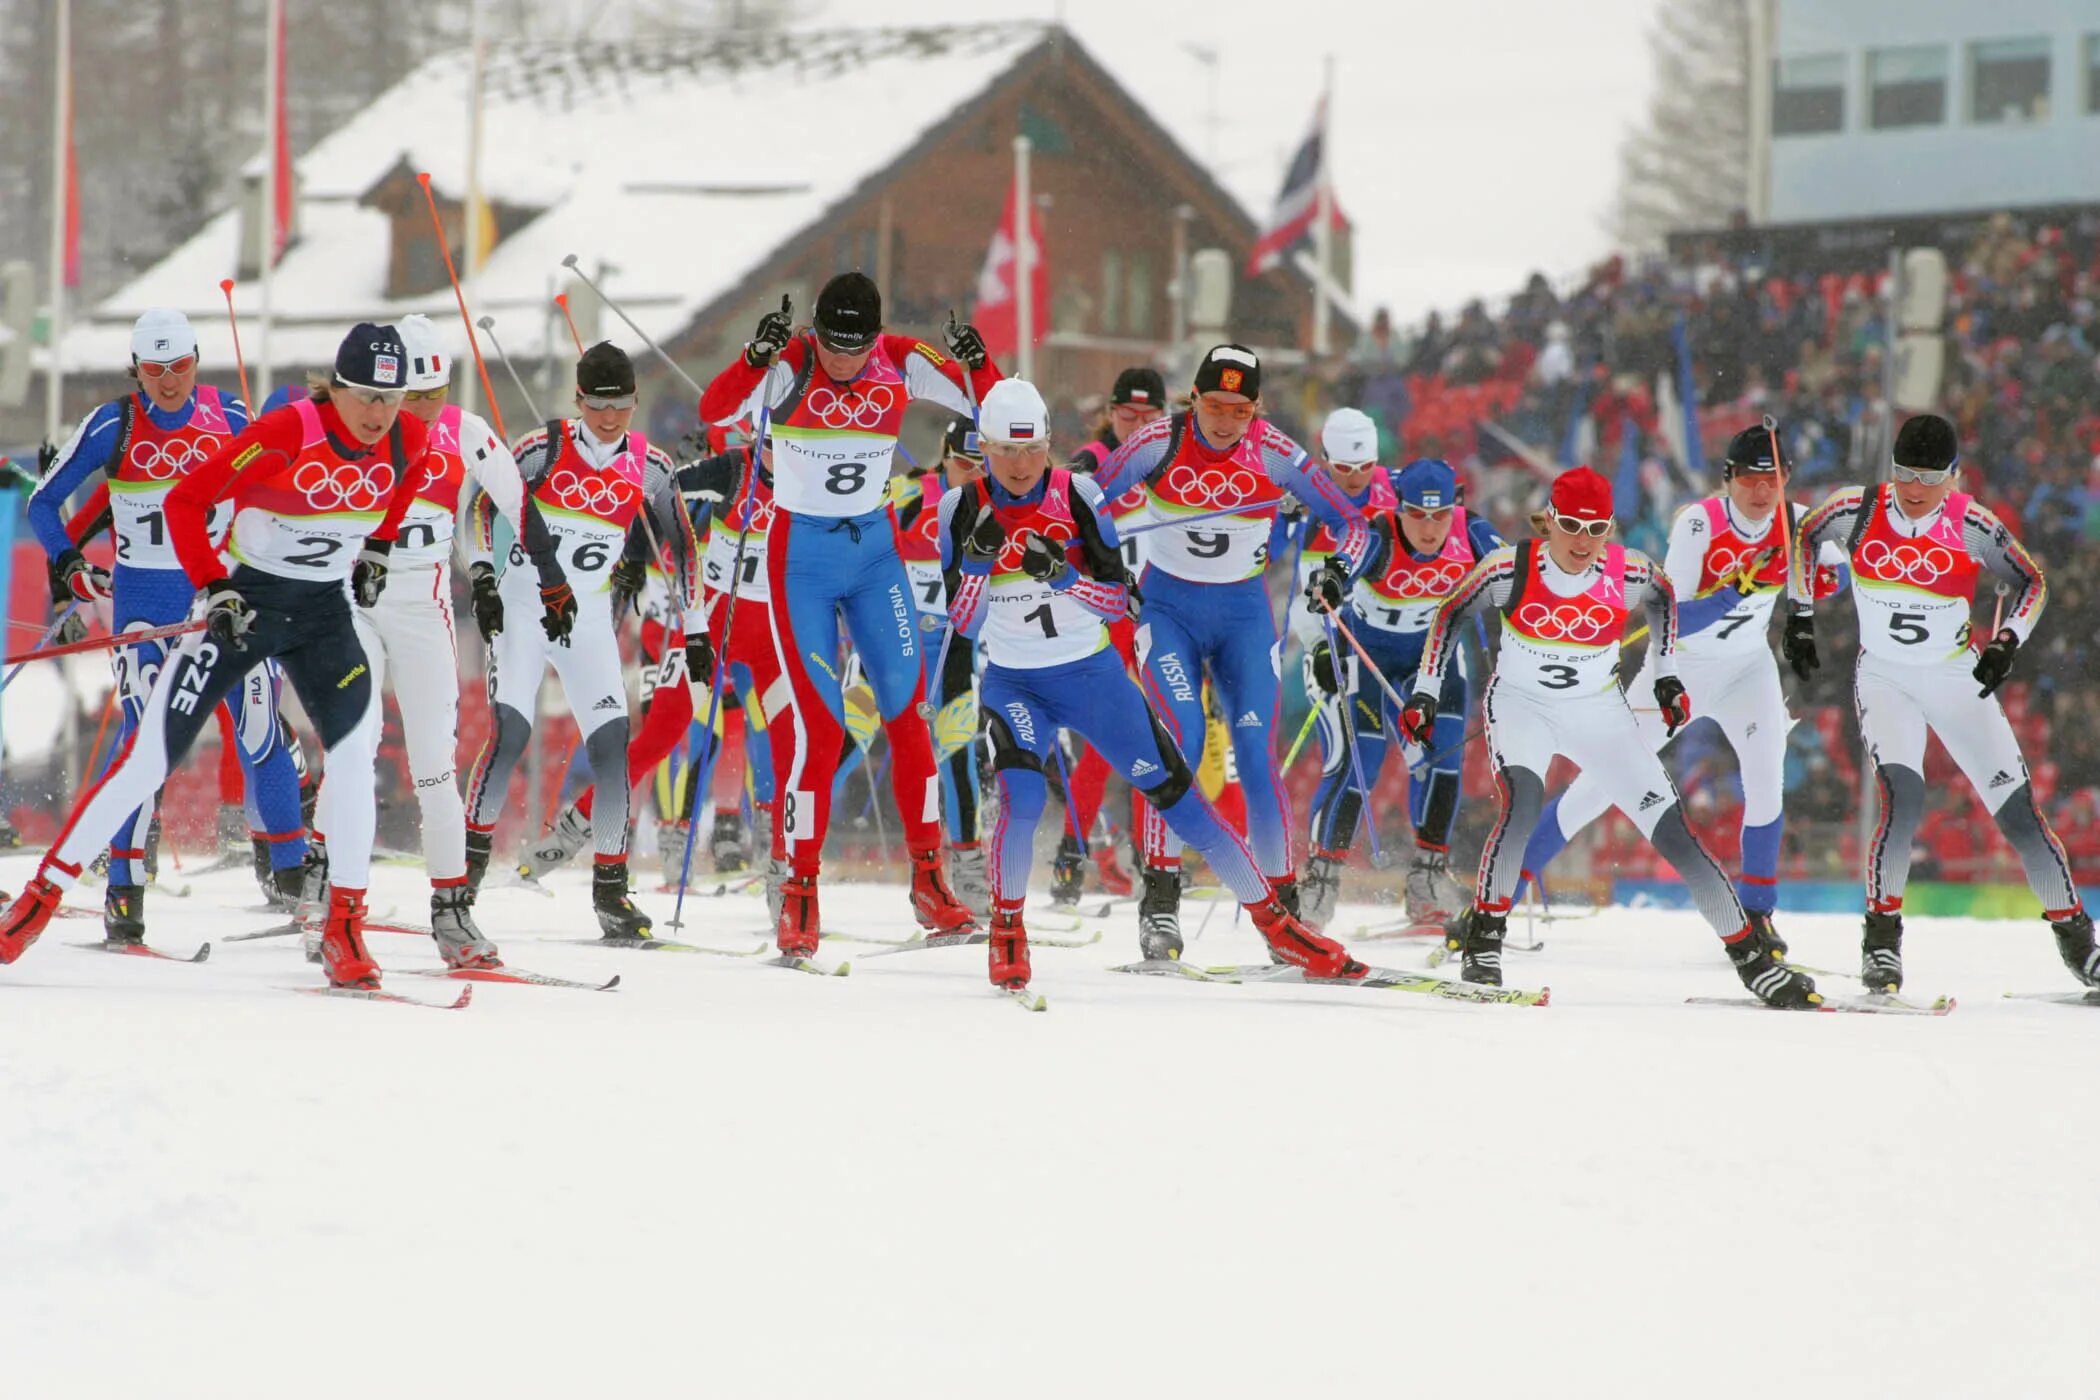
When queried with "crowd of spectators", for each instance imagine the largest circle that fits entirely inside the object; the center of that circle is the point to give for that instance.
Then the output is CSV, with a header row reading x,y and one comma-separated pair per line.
x,y
1600,371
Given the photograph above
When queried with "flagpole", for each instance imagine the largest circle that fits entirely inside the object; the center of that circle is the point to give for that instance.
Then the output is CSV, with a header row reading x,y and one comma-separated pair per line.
x,y
1323,219
1024,264
61,111
274,101
469,392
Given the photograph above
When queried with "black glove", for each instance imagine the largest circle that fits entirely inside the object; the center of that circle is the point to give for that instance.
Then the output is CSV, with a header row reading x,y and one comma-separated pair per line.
x,y
629,577
559,604
699,660
487,602
1995,662
81,579
1327,587
368,574
986,538
775,330
227,616
1045,561
1676,706
964,343
1323,671
1798,644
74,628
46,456
1418,720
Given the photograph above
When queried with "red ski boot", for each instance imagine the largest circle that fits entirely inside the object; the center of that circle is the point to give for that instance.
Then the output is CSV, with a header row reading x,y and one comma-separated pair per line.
x,y
24,919
1009,946
1114,879
343,941
1293,943
932,902
799,925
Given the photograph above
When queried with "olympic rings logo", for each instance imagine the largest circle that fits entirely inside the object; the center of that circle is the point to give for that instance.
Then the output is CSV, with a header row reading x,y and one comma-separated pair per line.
x,y
1912,563
852,409
1729,562
162,461
1057,532
593,494
342,485
1433,579
1186,485
1588,623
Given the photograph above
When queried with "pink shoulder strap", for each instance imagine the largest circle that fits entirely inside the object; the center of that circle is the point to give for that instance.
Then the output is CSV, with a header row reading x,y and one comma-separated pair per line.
x,y
309,421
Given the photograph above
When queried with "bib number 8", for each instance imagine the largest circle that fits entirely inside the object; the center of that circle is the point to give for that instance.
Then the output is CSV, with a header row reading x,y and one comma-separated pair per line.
x,y
846,478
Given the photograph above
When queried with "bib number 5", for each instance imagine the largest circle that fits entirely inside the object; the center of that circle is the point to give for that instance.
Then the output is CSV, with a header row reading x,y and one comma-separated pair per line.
x,y
1908,629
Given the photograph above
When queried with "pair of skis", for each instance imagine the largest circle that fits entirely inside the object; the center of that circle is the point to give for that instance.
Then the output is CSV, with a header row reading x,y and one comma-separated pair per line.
x,y
1377,979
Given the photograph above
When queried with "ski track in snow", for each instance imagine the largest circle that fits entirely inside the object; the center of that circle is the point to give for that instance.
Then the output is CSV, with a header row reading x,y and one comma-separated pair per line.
x,y
722,1180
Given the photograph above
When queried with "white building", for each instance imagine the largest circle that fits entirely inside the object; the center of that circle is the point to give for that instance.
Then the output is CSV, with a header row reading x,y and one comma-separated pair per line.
x,y
1905,107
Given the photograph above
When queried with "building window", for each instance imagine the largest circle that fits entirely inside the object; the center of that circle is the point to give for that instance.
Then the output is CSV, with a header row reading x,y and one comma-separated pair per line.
x,y
1137,306
1906,87
2092,73
1111,290
1808,95
2009,81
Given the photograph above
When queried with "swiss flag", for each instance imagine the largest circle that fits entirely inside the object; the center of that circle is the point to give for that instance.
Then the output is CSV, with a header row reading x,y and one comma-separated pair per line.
x,y
998,315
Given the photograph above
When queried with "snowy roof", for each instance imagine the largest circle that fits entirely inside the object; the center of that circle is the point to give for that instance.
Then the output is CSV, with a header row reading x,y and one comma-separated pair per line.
x,y
682,165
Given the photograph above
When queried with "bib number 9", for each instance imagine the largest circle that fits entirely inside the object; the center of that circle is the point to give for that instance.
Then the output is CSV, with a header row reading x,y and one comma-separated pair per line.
x,y
1209,544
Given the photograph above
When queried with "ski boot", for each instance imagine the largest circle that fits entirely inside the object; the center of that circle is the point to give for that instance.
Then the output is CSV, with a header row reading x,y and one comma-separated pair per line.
x,y
1285,891
571,833
343,942
259,859
2074,942
1772,981
1762,918
313,898
776,879
1320,889
798,925
1159,914
452,925
731,850
22,920
1479,945
1067,871
1429,887
152,858
966,873
124,915
1291,942
1114,880
281,889
932,902
617,915
1009,962
480,846
1881,953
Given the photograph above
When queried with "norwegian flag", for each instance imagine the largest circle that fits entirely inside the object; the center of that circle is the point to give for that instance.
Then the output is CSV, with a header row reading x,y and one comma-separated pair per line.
x,y
1298,203
998,316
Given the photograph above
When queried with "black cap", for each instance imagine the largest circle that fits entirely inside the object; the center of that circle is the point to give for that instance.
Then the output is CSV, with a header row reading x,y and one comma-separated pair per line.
x,y
1229,369
849,312
1751,451
961,440
605,372
372,357
1140,384
1926,443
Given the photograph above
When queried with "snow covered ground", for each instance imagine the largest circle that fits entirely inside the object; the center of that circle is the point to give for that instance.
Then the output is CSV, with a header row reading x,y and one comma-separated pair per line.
x,y
725,1179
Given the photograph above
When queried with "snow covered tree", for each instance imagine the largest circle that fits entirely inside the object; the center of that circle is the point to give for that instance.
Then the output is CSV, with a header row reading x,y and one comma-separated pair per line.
x,y
1688,164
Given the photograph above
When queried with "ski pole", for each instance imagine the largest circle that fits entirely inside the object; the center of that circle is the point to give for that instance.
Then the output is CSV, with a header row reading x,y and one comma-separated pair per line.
x,y
1346,702
1137,530
1064,776
569,262
239,361
49,633
1337,625
940,664
1312,717
122,639
473,345
488,323
561,299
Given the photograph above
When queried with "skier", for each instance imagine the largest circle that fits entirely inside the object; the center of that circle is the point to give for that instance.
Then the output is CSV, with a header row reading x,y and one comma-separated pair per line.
x,y
319,489
1727,562
595,482
1916,547
142,444
409,637
1427,543
833,399
1206,607
952,691
1033,569
1564,601
1138,398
